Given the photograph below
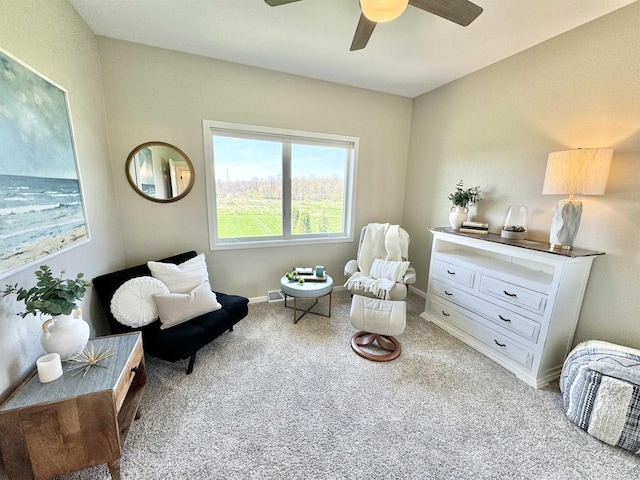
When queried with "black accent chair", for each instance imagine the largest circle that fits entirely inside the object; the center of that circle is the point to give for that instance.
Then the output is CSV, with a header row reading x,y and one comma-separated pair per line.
x,y
183,340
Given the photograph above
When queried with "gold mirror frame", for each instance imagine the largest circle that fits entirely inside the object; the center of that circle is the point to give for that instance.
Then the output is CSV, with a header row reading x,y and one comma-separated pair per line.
x,y
155,174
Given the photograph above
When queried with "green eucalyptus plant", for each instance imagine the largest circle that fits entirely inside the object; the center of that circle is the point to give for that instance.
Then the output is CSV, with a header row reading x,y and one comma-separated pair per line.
x,y
462,197
51,295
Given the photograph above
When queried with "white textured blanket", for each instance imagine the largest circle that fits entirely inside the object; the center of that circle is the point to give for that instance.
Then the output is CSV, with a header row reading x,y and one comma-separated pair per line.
x,y
380,287
381,259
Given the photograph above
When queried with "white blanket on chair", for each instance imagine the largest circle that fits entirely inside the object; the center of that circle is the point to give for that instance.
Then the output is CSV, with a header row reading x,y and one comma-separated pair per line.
x,y
380,287
381,259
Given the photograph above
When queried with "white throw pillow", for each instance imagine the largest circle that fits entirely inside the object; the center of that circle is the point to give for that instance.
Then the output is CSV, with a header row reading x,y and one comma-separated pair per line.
x,y
132,304
181,278
176,308
388,269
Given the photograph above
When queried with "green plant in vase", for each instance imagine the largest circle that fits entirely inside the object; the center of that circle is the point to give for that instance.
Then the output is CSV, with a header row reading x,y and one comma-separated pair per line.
x,y
51,295
57,297
464,197
461,199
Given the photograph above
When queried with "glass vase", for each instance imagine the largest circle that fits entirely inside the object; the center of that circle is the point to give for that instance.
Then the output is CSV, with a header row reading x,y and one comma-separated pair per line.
x,y
514,225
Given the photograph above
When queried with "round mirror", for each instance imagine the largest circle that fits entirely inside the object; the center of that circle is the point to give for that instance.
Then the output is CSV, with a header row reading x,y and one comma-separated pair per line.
x,y
159,172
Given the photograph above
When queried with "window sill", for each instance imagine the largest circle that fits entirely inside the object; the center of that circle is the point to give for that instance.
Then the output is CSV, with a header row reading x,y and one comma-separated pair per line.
x,y
237,245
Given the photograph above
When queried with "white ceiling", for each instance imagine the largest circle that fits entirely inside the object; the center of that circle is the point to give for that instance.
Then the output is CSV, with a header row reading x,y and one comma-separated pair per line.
x,y
409,56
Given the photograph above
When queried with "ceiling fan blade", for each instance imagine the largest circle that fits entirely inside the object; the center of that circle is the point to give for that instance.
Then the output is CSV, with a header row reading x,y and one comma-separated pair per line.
x,y
277,3
363,33
461,12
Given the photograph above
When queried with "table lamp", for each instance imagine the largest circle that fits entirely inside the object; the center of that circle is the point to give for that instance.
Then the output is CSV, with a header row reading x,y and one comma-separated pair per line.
x,y
574,172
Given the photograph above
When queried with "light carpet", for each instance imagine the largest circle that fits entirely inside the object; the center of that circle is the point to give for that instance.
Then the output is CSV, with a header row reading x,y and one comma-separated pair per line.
x,y
274,400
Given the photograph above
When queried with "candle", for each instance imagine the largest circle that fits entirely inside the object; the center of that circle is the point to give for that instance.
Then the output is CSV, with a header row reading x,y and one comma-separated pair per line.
x,y
49,367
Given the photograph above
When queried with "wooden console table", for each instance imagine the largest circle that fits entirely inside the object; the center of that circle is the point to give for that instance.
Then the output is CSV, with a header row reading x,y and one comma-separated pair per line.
x,y
73,423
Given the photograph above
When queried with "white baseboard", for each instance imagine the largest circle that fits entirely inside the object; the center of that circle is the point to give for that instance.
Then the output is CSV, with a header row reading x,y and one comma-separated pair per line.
x,y
417,292
258,299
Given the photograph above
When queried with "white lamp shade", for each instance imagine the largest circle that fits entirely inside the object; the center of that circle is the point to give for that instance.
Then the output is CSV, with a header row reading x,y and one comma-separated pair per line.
x,y
383,10
577,172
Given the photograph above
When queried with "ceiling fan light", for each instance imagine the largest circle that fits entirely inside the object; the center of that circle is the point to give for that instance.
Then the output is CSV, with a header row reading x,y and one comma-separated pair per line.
x,y
383,10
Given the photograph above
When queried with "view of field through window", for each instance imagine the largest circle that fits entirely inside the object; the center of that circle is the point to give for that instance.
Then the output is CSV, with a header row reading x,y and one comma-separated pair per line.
x,y
249,188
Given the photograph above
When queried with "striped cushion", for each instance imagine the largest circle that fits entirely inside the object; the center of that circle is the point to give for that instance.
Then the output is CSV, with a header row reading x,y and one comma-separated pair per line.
x,y
600,383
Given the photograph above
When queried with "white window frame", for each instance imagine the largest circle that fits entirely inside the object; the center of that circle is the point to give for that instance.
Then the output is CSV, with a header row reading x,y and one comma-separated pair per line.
x,y
211,127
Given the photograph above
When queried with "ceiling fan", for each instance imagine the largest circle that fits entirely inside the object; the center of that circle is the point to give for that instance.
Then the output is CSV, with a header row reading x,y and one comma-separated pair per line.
x,y
462,12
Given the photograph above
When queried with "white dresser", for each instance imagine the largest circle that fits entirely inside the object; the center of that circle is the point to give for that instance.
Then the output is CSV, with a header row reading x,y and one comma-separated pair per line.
x,y
515,301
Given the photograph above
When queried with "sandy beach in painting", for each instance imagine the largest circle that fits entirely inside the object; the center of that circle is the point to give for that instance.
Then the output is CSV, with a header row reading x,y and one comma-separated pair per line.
x,y
30,252
38,217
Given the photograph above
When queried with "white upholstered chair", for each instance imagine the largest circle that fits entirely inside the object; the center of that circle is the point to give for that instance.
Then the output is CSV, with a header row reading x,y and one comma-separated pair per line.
x,y
384,242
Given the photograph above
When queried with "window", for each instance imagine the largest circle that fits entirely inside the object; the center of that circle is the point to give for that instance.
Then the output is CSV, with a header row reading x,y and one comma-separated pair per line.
x,y
268,186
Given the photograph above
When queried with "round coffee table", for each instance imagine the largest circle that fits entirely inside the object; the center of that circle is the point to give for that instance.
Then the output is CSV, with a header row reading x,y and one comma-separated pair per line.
x,y
308,289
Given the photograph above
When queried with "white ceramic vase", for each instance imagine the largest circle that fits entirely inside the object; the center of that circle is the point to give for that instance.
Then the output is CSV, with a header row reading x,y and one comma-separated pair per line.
x,y
65,335
457,216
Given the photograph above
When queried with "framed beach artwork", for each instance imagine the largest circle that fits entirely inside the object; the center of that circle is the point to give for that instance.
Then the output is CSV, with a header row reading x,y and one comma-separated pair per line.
x,y
42,212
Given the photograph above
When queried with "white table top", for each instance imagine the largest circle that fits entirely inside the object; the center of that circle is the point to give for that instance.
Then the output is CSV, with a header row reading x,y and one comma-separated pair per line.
x,y
307,289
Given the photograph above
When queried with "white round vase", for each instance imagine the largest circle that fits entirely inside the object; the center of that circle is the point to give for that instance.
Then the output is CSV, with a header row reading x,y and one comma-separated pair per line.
x,y
457,216
65,335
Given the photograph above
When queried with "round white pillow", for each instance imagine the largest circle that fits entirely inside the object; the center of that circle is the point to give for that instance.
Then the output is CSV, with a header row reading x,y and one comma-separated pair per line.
x,y
133,304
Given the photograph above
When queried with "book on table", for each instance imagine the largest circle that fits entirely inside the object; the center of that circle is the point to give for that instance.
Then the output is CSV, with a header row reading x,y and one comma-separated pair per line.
x,y
474,227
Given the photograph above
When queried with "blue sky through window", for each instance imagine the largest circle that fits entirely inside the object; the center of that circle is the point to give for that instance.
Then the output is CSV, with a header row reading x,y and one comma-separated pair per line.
x,y
312,160
245,159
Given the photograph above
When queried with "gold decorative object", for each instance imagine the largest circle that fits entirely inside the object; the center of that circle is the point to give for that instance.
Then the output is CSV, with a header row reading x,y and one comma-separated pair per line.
x,y
88,358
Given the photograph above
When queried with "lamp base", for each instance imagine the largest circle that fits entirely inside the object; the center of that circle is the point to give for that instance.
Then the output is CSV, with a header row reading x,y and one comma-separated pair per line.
x,y
565,223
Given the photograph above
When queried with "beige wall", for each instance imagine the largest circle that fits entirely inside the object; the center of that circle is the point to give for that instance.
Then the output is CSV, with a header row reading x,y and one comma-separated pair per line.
x,y
51,37
156,94
495,128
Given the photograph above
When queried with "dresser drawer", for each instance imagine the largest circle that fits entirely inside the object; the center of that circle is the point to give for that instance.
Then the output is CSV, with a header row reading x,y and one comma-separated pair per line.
x,y
128,374
521,326
516,295
445,290
455,273
490,338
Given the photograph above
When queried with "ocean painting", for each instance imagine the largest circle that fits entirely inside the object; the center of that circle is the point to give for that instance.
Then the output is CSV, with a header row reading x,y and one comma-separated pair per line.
x,y
41,207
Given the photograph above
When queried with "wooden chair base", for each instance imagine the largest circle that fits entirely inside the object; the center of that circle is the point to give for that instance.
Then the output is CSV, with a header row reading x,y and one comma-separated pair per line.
x,y
385,342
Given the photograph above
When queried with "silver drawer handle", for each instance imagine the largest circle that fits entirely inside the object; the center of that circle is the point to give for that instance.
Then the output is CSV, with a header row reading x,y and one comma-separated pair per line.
x,y
509,294
450,272
499,344
447,293
504,319
446,314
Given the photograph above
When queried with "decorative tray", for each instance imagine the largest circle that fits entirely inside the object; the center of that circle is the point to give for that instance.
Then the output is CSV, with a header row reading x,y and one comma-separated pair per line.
x,y
308,274
313,278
